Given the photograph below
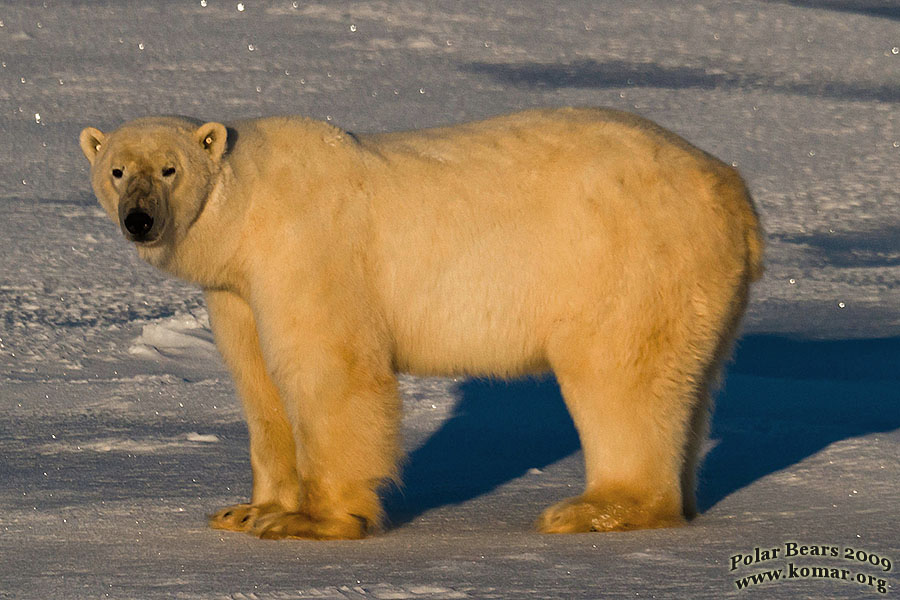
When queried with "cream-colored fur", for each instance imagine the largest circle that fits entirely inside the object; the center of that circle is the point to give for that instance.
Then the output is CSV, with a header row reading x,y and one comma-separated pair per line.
x,y
587,242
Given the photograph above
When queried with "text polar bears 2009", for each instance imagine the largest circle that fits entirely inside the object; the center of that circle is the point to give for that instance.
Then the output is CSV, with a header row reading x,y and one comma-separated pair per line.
x,y
791,570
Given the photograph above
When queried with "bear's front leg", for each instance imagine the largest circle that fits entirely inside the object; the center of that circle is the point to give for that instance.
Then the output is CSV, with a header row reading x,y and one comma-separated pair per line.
x,y
334,374
276,488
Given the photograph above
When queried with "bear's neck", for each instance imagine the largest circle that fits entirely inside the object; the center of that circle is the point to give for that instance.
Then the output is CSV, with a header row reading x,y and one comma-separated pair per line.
x,y
206,255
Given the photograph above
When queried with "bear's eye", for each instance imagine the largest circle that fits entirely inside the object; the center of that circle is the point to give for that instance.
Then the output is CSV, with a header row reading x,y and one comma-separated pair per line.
x,y
117,173
168,171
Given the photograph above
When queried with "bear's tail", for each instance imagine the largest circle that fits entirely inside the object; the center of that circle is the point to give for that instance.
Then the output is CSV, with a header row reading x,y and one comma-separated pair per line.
x,y
735,187
755,248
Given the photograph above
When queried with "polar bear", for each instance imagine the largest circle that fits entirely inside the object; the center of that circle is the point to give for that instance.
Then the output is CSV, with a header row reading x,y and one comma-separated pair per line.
x,y
587,242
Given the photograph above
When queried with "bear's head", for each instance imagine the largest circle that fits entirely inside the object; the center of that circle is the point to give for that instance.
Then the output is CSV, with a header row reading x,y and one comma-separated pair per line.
x,y
154,175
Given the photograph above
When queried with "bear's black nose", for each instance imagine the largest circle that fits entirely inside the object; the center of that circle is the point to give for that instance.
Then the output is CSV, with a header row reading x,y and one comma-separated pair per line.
x,y
138,223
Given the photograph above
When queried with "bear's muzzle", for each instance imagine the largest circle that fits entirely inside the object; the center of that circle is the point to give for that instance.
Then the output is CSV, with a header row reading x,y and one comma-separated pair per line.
x,y
142,211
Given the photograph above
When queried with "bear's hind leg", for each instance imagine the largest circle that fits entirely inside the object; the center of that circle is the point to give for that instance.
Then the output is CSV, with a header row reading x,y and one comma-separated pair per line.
x,y
276,486
639,411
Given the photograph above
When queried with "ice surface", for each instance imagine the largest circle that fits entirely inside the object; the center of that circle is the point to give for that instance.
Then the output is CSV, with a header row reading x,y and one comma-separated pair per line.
x,y
121,430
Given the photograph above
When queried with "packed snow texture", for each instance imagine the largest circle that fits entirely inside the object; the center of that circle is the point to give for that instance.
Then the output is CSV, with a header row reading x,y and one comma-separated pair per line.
x,y
121,429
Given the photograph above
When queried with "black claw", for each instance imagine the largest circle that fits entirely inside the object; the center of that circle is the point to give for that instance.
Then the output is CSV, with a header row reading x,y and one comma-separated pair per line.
x,y
245,519
227,514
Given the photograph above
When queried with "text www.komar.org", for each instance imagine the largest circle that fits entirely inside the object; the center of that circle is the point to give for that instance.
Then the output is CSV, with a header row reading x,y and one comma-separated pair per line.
x,y
792,572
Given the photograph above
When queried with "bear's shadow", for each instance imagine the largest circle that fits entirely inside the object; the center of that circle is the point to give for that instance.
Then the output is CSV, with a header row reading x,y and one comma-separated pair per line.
x,y
784,400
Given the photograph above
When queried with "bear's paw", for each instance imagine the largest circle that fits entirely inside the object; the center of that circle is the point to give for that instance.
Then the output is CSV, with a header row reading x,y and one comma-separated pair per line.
x,y
241,517
588,513
300,525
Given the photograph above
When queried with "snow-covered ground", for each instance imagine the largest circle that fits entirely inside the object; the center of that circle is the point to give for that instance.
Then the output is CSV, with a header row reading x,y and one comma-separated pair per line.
x,y
120,429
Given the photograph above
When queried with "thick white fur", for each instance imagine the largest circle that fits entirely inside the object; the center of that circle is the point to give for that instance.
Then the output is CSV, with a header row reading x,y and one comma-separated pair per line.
x,y
587,242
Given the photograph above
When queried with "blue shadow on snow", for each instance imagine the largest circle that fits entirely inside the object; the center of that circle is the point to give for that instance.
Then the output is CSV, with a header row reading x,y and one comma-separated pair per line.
x,y
784,400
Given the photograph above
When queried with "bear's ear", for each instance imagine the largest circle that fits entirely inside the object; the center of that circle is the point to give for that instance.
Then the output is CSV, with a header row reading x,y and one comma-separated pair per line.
x,y
91,139
212,137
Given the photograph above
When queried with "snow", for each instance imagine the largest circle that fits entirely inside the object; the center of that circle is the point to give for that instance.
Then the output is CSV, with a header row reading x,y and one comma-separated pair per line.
x,y
121,429
182,337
